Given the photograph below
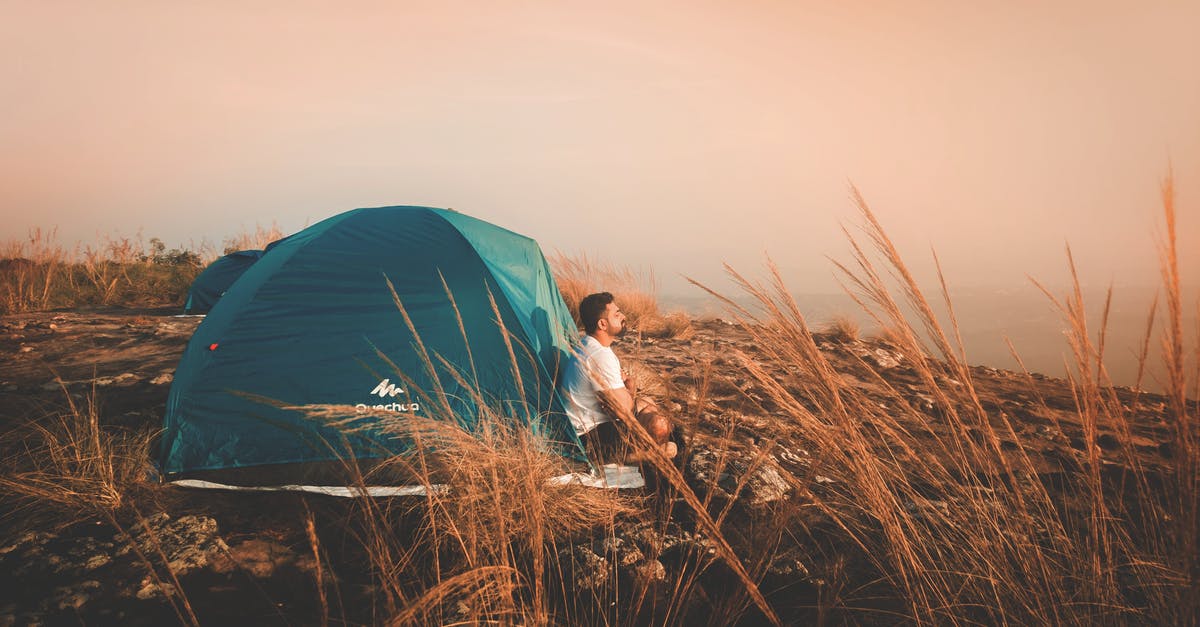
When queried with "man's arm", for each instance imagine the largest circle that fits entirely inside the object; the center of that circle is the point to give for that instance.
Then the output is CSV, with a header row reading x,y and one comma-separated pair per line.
x,y
617,402
614,387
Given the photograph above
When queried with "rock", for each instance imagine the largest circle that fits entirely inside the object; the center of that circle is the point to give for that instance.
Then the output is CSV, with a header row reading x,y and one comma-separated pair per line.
x,y
162,379
685,544
30,541
881,357
788,564
127,378
764,485
76,596
621,551
96,561
589,571
260,558
189,543
38,554
798,457
647,537
886,359
152,590
649,572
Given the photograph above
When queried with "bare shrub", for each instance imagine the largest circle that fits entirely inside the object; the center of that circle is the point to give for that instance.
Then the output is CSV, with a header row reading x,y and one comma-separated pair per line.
x,y
842,328
634,292
253,240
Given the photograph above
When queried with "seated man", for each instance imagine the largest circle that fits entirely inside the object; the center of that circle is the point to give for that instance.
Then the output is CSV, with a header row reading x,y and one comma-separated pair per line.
x,y
598,392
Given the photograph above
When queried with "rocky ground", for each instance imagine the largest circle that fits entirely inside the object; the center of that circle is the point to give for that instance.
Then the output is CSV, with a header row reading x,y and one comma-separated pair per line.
x,y
245,559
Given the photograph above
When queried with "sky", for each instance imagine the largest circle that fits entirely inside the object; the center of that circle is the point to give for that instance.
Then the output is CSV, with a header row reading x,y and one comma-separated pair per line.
x,y
664,136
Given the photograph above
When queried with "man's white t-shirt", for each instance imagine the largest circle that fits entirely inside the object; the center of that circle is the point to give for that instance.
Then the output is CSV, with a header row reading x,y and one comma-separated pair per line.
x,y
593,368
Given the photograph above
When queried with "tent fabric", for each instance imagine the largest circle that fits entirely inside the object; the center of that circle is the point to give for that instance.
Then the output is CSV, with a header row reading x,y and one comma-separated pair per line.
x,y
313,323
213,282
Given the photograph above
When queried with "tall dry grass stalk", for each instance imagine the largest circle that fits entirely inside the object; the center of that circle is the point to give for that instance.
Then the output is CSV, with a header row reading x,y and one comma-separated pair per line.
x,y
487,544
635,293
29,269
483,543
71,463
958,528
1184,420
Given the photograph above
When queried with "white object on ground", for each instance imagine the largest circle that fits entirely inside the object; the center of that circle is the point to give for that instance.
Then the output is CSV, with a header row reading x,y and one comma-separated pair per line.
x,y
614,477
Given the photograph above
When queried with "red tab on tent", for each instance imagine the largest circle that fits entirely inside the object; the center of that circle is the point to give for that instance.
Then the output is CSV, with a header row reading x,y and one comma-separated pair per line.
x,y
212,347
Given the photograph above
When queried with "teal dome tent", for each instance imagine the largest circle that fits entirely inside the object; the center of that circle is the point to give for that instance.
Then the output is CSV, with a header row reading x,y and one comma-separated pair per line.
x,y
208,287
313,322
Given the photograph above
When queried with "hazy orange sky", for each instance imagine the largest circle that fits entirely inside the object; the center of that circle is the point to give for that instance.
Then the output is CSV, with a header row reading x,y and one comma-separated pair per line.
x,y
672,135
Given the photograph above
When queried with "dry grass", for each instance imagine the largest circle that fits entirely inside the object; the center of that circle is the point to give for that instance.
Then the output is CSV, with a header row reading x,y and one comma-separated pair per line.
x,y
39,273
635,293
958,529
255,240
842,328
69,462
485,549
952,527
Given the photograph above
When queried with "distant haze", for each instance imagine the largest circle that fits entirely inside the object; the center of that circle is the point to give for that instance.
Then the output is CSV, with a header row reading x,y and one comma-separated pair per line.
x,y
664,135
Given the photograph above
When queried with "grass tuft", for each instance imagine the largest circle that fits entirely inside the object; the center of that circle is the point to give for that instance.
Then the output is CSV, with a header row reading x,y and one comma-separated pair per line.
x,y
634,292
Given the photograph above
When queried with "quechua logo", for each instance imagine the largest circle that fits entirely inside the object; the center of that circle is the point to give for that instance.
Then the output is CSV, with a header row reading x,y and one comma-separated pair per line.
x,y
386,389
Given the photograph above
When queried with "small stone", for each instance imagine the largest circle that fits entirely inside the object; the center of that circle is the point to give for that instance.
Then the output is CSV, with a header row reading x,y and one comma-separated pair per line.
x,y
152,590
766,486
885,359
787,564
623,552
162,379
650,572
73,598
591,572
260,558
26,349
96,561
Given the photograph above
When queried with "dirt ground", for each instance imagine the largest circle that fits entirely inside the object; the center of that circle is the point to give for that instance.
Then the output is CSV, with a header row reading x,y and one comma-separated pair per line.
x,y
124,359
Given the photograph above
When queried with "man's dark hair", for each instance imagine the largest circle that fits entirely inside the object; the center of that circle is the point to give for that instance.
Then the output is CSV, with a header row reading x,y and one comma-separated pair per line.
x,y
591,309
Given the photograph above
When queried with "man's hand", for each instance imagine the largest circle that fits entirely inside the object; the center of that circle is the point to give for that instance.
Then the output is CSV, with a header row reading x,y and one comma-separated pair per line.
x,y
630,382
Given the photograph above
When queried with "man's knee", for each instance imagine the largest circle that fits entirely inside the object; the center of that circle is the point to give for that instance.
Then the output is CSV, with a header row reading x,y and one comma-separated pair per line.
x,y
656,423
